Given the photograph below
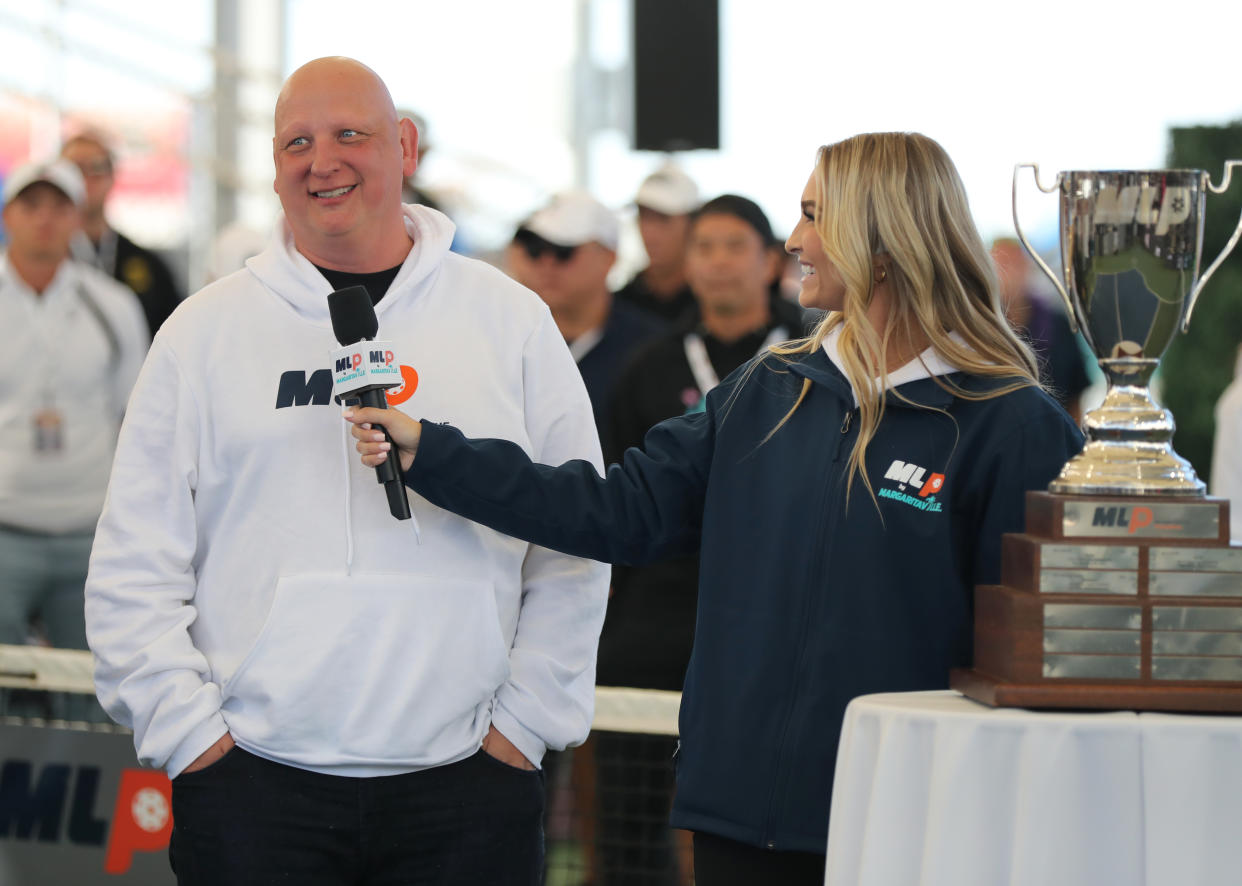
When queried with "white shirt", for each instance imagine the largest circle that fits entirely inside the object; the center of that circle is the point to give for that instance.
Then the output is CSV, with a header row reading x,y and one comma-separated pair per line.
x,y
1226,455
72,351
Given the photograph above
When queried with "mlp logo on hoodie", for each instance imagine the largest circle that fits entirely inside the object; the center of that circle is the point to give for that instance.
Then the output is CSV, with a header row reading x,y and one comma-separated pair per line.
x,y
297,388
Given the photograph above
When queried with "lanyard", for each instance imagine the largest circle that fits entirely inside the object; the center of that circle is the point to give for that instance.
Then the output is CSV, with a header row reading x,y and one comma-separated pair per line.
x,y
102,257
701,366
43,314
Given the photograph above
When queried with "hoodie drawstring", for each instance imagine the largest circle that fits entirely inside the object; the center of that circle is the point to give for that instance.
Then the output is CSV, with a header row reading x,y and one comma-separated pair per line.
x,y
349,522
349,513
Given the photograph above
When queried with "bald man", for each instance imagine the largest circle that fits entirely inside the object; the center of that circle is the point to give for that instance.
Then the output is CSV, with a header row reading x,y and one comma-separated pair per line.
x,y
338,696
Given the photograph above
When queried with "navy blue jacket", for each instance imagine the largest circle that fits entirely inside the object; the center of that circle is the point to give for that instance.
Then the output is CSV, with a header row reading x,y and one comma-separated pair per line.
x,y
805,600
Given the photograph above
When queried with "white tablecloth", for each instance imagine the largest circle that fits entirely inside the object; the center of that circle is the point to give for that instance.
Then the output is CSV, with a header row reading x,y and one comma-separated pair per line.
x,y
933,789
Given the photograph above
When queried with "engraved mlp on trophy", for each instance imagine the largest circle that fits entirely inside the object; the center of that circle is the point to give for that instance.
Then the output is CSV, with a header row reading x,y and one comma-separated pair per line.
x,y
1124,591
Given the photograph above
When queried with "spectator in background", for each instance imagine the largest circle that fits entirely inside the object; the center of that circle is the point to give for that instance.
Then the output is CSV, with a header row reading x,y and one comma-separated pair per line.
x,y
665,200
413,190
1062,369
75,341
112,252
564,253
1227,450
649,627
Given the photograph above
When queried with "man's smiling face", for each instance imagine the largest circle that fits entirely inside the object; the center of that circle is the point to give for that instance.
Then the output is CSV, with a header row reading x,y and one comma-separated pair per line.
x,y
340,156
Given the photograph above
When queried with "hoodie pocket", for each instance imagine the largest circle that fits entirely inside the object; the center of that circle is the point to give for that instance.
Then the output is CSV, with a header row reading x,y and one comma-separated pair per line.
x,y
369,669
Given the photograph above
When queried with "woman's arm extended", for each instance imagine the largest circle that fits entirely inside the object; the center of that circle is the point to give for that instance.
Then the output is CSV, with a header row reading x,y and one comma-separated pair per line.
x,y
648,507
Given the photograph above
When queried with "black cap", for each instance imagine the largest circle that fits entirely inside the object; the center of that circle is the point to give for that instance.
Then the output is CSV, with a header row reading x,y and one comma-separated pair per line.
x,y
743,208
353,315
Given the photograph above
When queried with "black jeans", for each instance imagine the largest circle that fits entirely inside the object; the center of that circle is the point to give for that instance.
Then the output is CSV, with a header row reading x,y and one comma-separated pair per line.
x,y
246,821
721,862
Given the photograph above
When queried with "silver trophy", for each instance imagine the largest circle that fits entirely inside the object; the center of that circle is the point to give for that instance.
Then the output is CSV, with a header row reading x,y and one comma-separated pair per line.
x,y
1130,250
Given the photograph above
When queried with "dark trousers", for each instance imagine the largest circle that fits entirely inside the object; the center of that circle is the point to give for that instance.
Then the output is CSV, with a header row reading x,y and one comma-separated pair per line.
x,y
721,862
246,821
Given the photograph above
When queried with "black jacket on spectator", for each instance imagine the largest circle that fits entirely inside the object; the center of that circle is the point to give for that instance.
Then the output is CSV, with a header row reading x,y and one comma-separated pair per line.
x,y
149,277
649,628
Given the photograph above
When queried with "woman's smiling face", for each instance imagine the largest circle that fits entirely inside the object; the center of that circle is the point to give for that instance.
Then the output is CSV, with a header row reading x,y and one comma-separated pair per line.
x,y
822,286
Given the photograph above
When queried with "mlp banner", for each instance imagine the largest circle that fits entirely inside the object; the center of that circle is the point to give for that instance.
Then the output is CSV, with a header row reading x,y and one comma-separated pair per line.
x,y
76,808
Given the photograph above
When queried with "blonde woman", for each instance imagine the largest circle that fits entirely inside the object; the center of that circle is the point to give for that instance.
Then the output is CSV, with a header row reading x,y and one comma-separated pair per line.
x,y
845,493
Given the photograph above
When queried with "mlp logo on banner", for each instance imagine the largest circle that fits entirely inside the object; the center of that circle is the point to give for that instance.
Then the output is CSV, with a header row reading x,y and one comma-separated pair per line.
x,y
142,818
75,809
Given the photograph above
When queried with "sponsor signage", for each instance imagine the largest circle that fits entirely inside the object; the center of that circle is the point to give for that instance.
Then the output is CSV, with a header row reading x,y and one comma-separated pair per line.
x,y
1128,518
75,808
364,365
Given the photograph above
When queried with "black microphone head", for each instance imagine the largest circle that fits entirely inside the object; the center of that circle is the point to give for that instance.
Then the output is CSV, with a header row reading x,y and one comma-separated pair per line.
x,y
353,315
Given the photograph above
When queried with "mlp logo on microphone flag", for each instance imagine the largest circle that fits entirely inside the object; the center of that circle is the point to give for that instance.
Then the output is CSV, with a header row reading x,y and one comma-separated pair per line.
x,y
365,365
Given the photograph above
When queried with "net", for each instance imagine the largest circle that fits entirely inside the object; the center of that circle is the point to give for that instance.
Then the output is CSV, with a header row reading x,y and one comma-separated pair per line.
x,y
608,800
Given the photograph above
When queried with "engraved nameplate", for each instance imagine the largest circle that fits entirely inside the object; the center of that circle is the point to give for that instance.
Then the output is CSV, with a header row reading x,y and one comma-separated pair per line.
x,y
1125,519
1087,581
1196,559
1086,615
1164,668
1097,667
1088,556
1194,618
1195,584
1194,643
1112,642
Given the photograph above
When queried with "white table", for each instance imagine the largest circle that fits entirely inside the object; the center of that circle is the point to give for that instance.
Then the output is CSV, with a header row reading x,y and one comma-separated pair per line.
x,y
933,789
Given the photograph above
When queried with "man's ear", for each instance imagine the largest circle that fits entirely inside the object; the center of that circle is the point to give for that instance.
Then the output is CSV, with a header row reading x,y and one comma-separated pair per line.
x,y
409,146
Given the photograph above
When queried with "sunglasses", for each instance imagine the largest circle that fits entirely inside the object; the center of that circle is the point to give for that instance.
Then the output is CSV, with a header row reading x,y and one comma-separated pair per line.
x,y
536,247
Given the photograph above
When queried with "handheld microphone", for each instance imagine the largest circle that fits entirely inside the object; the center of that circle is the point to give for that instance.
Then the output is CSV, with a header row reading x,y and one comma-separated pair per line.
x,y
364,368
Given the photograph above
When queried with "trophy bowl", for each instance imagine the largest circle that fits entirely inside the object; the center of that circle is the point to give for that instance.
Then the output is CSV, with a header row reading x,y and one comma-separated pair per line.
x,y
1131,243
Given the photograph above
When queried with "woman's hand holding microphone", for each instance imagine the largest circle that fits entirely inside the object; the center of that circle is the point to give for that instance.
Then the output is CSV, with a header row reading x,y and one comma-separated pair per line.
x,y
404,431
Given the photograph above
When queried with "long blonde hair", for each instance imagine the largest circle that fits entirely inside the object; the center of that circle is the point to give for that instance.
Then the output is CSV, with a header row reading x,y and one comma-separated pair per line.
x,y
898,196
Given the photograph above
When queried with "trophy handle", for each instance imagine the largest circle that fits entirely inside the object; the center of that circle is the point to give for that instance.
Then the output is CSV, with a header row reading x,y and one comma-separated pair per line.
x,y
1071,315
1233,241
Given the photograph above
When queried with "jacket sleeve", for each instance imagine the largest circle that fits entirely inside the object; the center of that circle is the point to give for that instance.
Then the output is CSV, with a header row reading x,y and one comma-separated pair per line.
x,y
140,589
648,507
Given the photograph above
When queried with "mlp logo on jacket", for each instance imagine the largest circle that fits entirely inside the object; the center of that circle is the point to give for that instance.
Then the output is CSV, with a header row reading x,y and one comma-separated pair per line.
x,y
299,388
912,485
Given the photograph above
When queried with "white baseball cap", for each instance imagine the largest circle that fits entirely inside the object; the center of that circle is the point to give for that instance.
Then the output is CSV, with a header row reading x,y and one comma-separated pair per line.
x,y
61,174
572,218
668,190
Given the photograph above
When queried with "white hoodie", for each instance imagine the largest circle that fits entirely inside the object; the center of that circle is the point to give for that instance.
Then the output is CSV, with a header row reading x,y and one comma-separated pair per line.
x,y
248,576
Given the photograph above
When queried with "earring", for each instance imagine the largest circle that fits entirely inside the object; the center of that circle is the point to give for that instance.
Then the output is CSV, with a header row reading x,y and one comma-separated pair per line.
x,y
881,275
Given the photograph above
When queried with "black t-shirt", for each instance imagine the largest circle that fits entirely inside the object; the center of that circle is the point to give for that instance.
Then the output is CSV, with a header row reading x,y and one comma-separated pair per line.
x,y
375,283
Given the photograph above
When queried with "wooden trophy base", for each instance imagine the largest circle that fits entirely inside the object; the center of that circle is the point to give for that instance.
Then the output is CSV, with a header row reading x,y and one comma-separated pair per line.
x,y
1096,696
1131,603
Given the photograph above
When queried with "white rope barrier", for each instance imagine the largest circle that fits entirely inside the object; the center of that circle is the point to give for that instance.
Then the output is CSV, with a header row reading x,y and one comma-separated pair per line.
x,y
647,711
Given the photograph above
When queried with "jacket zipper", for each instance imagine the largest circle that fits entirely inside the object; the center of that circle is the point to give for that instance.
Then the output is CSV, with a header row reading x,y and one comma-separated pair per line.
x,y
815,568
